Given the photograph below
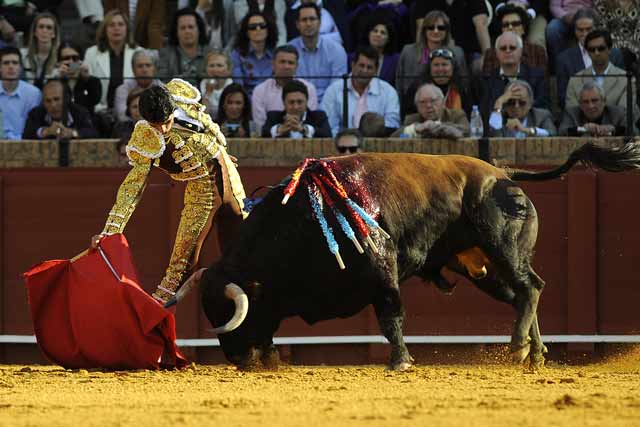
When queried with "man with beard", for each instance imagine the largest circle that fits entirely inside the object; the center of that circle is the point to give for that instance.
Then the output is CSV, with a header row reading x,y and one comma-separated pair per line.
x,y
365,93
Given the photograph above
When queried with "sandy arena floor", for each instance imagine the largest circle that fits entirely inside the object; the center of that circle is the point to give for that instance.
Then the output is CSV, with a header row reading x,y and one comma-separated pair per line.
x,y
470,395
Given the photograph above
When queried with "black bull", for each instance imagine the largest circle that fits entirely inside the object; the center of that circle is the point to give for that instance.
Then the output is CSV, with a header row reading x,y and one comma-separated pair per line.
x,y
433,207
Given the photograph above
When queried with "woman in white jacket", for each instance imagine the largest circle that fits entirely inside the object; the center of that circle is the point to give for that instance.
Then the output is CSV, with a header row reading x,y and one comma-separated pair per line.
x,y
110,59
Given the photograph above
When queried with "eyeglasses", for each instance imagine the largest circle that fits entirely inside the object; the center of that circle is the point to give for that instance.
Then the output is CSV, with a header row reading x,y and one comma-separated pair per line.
x,y
441,53
594,49
516,103
508,48
438,27
258,26
73,58
352,149
511,24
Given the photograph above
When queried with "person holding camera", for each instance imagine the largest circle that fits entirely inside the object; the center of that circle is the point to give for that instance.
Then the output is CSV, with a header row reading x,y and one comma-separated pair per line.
x,y
84,89
234,113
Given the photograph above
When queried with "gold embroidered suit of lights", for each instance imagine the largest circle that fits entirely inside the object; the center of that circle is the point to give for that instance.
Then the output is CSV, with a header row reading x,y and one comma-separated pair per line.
x,y
194,154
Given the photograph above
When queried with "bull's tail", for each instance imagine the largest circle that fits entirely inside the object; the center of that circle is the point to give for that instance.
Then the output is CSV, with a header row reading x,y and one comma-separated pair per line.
x,y
626,157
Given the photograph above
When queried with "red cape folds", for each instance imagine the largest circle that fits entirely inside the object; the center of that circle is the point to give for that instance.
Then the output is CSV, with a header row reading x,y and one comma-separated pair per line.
x,y
83,317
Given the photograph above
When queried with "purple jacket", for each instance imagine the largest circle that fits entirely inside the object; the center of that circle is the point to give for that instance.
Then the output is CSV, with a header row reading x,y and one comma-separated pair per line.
x,y
559,8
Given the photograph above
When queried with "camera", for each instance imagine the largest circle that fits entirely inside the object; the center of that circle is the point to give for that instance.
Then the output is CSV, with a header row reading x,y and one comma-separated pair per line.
x,y
74,66
232,129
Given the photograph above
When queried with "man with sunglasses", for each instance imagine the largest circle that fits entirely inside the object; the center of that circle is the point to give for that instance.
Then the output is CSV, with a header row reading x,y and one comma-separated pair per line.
x,y
514,117
433,119
509,51
17,97
611,79
179,137
349,141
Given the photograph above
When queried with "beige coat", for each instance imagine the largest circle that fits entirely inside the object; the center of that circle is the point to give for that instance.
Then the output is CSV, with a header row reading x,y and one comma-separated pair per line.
x,y
450,117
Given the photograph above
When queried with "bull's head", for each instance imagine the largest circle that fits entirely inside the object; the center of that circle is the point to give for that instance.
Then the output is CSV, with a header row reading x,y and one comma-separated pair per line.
x,y
233,309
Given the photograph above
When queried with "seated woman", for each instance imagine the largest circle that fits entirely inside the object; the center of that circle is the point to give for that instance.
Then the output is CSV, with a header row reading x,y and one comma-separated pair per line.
x,y
381,35
110,59
516,19
124,129
414,59
234,113
513,117
218,69
443,72
85,89
252,55
41,54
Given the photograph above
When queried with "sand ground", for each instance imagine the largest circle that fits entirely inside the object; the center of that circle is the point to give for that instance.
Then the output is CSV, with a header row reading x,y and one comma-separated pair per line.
x,y
606,394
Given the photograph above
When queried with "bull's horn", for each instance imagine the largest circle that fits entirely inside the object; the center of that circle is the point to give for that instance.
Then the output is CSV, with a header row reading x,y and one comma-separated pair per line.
x,y
191,283
235,293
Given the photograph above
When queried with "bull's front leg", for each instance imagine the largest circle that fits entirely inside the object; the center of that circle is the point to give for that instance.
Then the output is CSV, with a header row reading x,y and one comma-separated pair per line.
x,y
390,315
526,305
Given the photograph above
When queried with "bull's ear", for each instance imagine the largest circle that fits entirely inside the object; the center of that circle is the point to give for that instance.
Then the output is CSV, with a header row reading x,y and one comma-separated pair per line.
x,y
254,290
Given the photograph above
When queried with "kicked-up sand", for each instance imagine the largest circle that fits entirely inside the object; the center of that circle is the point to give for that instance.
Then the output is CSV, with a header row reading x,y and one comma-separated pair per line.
x,y
606,394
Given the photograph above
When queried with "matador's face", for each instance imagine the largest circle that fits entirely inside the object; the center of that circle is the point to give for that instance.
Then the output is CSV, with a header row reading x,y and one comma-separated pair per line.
x,y
165,126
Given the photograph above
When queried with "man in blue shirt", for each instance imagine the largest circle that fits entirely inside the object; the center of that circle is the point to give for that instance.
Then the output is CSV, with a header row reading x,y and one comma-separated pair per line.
x,y
365,93
17,98
319,56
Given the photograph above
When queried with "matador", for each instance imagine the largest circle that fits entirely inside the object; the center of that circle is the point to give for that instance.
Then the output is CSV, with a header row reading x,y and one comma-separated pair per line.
x,y
180,138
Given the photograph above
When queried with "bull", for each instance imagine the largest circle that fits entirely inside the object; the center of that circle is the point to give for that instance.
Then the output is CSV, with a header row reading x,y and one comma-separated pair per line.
x,y
440,215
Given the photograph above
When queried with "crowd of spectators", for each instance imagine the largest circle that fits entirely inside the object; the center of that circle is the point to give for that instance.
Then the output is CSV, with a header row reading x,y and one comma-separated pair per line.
x,y
314,68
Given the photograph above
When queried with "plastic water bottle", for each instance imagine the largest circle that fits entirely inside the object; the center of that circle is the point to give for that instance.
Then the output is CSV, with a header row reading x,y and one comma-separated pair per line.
x,y
476,126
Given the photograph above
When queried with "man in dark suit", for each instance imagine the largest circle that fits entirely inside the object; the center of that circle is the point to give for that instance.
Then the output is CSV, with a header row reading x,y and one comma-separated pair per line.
x,y
593,117
576,58
58,117
509,52
296,121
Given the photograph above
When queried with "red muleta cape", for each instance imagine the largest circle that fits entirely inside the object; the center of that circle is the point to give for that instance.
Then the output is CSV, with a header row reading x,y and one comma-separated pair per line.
x,y
83,317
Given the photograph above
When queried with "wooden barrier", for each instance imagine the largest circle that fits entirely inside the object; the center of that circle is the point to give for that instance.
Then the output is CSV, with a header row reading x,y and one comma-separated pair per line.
x,y
587,249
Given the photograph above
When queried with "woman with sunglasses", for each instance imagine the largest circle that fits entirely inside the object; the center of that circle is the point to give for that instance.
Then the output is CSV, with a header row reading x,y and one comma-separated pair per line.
x,y
85,89
414,59
514,117
253,50
40,56
443,72
515,19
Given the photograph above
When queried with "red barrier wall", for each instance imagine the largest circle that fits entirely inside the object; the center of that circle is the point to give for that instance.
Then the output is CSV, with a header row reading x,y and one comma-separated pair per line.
x,y
587,252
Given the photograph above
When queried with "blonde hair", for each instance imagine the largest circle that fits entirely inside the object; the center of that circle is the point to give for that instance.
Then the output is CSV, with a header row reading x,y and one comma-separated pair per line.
x,y
101,34
219,52
429,19
32,44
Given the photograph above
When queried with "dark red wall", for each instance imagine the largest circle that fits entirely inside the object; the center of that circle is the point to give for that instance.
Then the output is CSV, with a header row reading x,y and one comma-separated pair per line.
x,y
588,252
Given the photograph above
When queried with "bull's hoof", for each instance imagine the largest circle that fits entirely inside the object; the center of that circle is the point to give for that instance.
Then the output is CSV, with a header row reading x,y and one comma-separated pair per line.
x,y
520,352
400,367
536,361
270,358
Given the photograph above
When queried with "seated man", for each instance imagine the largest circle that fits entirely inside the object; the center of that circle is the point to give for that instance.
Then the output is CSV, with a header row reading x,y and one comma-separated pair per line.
x,y
433,119
17,97
58,117
296,121
372,126
365,92
612,79
349,141
592,116
513,116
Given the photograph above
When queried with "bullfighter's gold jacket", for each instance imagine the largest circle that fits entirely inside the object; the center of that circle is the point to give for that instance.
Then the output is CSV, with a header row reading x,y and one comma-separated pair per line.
x,y
187,153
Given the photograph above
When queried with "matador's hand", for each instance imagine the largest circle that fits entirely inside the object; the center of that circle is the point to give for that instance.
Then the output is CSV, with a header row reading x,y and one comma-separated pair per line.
x,y
95,241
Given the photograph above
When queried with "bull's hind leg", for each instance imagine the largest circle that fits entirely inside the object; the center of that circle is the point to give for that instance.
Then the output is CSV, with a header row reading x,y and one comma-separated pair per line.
x,y
390,314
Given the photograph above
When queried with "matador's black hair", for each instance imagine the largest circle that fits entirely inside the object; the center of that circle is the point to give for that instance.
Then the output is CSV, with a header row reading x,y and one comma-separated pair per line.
x,y
156,104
